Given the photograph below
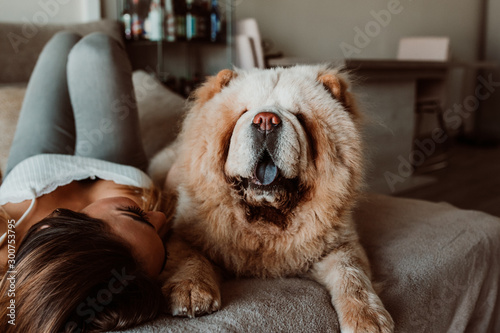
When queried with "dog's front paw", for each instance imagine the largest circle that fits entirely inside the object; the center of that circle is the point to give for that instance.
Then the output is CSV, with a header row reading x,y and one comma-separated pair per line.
x,y
189,298
371,318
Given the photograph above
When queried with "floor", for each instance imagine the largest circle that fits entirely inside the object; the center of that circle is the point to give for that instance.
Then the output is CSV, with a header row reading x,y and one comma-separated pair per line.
x,y
470,181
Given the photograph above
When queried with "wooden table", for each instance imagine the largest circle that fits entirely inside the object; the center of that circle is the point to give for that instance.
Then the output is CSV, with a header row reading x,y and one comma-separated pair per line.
x,y
397,69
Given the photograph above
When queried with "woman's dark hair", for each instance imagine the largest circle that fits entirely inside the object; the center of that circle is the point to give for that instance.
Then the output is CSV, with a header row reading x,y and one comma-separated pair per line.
x,y
74,275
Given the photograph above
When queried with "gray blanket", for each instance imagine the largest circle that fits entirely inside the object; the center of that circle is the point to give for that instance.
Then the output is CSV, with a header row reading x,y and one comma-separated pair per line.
x,y
439,267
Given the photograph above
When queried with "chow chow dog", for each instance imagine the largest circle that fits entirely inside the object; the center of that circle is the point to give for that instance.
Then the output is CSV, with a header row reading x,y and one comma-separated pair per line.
x,y
266,171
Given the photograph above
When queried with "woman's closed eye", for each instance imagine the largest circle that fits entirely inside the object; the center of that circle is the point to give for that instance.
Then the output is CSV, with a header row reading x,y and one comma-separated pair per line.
x,y
137,214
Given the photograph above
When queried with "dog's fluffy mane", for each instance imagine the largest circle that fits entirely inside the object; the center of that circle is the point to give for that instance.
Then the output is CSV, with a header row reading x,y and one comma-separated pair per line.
x,y
212,212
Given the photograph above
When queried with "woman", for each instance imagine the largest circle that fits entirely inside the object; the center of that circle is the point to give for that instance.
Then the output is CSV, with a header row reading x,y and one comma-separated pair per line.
x,y
88,241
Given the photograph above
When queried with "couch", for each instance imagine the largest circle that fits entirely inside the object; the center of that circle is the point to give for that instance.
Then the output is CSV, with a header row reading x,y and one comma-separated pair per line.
x,y
439,266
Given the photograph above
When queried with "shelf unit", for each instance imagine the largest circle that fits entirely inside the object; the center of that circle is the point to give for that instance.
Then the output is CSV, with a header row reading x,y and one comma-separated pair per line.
x,y
182,59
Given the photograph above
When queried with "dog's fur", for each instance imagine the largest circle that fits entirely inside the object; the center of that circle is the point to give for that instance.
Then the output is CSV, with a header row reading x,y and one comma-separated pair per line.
x,y
298,225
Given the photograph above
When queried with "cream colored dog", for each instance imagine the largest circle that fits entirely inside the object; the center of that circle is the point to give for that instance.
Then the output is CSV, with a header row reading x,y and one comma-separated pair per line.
x,y
267,169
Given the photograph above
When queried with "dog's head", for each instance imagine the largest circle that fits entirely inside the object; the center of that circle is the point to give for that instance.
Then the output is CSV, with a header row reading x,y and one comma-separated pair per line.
x,y
274,138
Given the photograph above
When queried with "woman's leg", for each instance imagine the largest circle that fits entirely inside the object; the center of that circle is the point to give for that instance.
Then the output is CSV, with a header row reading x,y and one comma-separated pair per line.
x,y
104,105
46,123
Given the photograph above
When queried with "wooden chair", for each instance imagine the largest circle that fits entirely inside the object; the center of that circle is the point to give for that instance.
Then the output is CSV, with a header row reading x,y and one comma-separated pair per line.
x,y
431,93
248,45
251,50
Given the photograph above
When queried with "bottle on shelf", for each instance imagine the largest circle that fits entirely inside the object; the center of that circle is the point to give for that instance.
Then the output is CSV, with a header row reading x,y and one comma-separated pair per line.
x,y
202,13
180,19
170,24
190,21
153,24
137,30
215,22
197,15
126,19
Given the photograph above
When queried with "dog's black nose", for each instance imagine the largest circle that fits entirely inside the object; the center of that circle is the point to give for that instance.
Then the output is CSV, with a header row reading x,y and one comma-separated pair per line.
x,y
266,121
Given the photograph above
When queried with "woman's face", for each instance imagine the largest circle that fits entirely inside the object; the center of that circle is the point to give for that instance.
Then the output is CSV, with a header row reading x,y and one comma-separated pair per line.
x,y
139,229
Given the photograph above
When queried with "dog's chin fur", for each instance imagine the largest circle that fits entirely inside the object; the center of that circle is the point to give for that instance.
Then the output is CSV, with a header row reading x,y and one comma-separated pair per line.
x,y
271,204
301,218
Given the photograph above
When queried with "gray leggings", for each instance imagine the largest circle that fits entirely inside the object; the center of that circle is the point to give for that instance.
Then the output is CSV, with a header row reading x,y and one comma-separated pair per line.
x,y
80,101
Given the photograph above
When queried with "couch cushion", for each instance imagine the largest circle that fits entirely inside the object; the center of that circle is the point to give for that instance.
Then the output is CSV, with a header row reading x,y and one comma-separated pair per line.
x,y
22,43
11,99
252,305
160,112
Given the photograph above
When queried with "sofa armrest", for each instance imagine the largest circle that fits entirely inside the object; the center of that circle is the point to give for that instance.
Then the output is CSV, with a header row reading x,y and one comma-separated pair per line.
x,y
21,43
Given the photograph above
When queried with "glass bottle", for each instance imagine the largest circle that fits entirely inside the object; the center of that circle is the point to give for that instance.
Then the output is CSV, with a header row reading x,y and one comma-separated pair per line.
x,y
136,21
170,24
180,19
154,27
202,13
126,18
191,28
215,23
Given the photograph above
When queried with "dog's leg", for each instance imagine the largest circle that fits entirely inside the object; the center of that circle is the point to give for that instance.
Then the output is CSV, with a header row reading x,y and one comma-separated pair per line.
x,y
345,273
191,283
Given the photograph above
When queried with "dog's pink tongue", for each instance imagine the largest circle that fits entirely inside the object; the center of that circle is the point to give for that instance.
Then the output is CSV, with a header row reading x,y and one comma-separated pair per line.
x,y
266,171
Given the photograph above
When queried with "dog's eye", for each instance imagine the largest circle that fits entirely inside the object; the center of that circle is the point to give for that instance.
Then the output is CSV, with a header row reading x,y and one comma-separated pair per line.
x,y
302,120
308,129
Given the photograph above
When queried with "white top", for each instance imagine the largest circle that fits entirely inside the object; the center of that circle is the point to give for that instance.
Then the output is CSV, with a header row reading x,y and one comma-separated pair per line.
x,y
42,174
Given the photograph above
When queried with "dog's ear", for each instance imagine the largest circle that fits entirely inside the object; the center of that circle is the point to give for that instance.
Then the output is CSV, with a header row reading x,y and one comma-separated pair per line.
x,y
338,87
214,85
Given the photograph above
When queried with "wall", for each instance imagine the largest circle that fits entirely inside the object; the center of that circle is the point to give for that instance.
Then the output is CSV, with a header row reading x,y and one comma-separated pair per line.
x,y
316,29
41,12
110,8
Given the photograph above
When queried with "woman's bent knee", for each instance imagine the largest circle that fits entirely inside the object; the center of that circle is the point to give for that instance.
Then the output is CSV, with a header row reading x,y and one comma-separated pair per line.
x,y
96,47
65,38
96,43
